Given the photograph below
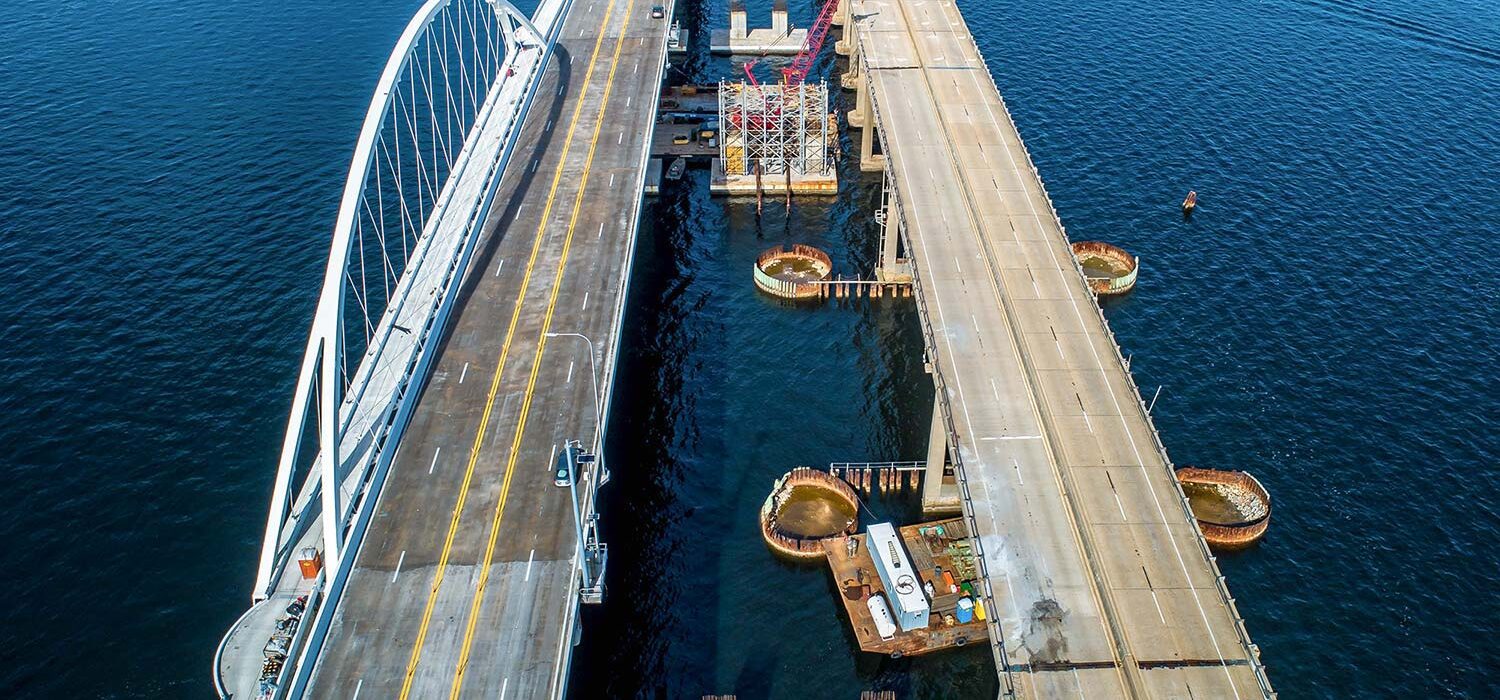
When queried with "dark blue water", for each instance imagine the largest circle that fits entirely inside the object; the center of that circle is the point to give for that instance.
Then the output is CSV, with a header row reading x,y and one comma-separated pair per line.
x,y
169,173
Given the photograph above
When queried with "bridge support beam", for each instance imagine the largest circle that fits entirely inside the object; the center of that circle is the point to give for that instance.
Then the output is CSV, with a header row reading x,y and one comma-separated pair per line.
x,y
939,488
869,161
849,80
845,45
891,267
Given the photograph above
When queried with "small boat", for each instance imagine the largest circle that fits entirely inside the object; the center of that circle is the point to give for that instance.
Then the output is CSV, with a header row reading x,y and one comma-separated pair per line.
x,y
675,170
1190,202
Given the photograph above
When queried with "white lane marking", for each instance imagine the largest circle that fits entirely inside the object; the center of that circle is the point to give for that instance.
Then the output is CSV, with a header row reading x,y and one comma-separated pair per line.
x,y
529,557
957,266
1156,600
569,380
435,454
1130,437
627,100
995,388
1017,465
636,68
601,230
534,161
397,572
611,183
500,267
585,301
519,207
503,685
464,373
549,126
621,138
357,687
1121,506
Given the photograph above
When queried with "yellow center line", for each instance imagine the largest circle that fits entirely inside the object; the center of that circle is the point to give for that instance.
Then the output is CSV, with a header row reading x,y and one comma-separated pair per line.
x,y
536,361
515,317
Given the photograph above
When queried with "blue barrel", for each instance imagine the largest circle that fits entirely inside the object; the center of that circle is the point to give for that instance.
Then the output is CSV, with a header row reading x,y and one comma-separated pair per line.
x,y
965,611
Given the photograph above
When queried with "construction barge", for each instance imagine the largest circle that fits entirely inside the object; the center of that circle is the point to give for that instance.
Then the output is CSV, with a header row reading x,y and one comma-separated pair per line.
x,y
916,593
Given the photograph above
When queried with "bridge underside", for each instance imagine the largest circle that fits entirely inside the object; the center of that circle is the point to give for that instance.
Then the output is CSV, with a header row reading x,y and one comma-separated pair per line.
x,y
1100,582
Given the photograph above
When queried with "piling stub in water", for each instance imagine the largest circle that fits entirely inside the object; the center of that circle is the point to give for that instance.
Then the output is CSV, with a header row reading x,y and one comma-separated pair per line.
x,y
1109,269
805,507
1232,508
795,272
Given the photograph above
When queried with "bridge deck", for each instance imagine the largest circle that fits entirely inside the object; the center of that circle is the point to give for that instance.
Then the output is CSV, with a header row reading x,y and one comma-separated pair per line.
x,y
570,198
1099,580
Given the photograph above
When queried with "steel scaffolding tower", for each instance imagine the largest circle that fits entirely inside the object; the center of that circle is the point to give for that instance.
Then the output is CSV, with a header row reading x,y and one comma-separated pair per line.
x,y
778,129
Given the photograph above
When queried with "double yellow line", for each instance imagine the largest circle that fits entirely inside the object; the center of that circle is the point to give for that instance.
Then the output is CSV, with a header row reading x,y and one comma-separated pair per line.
x,y
416,652
541,345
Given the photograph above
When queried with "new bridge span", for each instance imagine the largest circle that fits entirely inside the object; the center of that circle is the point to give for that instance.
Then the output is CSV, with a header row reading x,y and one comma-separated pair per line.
x,y
454,567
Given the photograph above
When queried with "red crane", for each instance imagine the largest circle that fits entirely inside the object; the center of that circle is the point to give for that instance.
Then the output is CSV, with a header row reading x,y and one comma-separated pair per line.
x,y
750,71
797,72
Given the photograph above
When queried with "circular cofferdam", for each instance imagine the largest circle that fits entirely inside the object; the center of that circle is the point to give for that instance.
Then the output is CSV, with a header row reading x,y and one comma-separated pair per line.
x,y
806,507
1233,509
794,272
1109,269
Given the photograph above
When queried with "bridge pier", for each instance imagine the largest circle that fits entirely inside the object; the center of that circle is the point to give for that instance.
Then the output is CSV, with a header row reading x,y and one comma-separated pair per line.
x,y
891,267
849,80
869,160
845,45
939,486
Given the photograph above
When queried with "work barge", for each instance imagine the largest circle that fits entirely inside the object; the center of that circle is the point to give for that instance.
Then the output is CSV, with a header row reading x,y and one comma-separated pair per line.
x,y
1095,576
447,554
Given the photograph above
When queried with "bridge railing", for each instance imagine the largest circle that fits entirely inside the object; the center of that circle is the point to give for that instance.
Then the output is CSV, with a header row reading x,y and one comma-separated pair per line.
x,y
997,637
929,334
440,130
1242,633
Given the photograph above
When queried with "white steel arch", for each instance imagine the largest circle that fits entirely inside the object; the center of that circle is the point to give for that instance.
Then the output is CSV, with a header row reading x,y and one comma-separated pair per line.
x,y
439,130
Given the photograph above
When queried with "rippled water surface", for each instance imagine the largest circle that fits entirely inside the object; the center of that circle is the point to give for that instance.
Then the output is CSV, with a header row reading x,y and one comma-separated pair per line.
x,y
169,173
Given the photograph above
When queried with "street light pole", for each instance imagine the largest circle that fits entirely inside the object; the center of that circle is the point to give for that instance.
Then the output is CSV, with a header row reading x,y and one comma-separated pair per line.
x,y
572,459
594,376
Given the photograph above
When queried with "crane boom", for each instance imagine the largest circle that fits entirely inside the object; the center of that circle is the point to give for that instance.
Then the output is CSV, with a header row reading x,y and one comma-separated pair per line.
x,y
797,72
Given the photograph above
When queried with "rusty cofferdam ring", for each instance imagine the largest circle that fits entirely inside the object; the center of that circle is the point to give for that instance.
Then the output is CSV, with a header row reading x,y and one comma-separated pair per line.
x,y
807,506
1244,491
794,272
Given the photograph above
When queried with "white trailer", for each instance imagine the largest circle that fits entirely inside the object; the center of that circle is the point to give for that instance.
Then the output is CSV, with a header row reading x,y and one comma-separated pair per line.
x,y
902,584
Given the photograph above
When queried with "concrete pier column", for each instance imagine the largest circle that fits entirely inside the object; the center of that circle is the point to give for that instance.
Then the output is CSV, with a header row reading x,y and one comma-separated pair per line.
x,y
849,80
868,161
890,235
939,495
779,23
738,27
861,101
846,43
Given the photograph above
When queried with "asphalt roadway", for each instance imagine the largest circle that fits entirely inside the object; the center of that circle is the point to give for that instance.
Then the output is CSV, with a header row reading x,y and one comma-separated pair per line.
x,y
464,582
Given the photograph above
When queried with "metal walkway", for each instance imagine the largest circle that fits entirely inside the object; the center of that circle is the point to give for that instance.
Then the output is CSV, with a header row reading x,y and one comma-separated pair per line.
x,y
1100,583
